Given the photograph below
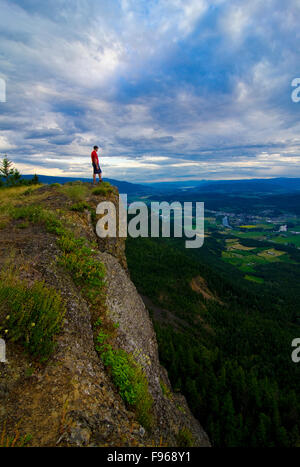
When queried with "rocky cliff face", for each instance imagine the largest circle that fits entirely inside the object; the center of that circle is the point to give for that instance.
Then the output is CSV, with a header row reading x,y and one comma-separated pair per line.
x,y
71,399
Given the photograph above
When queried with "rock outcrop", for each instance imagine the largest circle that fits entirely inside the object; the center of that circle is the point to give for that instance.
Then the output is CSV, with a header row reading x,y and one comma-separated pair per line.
x,y
71,400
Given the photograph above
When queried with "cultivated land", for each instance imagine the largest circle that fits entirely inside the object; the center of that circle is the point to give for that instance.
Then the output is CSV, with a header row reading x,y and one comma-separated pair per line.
x,y
237,251
226,314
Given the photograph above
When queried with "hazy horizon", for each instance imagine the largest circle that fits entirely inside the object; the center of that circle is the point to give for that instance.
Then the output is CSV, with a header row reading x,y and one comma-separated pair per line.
x,y
196,180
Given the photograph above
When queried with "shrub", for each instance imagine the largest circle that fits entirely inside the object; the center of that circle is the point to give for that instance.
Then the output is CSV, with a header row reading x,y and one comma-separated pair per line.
x,y
128,377
165,390
36,214
31,213
77,258
34,180
76,191
30,314
15,440
185,438
103,189
80,207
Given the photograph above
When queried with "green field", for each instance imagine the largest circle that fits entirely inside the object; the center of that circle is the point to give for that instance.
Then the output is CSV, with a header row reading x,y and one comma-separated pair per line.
x,y
247,258
259,280
294,239
258,226
249,234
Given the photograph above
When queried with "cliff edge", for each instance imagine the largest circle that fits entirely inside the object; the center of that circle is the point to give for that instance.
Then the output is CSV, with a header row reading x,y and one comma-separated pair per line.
x,y
82,360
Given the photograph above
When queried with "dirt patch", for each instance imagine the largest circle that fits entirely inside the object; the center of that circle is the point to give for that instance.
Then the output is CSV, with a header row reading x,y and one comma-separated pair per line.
x,y
199,285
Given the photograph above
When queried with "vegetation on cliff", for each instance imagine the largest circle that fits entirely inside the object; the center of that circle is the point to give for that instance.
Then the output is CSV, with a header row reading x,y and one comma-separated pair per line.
x,y
127,375
32,313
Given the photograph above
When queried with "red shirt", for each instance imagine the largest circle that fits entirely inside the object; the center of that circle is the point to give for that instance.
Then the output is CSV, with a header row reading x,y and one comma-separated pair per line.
x,y
94,157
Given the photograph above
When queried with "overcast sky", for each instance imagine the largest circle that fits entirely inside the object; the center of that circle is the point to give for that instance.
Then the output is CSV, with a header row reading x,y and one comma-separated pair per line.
x,y
169,89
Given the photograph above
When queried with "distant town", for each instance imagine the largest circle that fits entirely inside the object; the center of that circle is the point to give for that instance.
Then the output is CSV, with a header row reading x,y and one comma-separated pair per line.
x,y
284,229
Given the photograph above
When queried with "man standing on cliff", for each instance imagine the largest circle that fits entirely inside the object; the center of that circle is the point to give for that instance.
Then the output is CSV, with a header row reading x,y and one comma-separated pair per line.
x,y
96,166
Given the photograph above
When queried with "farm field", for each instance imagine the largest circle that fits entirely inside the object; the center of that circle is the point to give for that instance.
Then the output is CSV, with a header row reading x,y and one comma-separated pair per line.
x,y
294,239
258,226
247,258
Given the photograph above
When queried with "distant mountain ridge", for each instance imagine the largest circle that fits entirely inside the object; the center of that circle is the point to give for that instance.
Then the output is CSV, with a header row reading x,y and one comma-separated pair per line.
x,y
272,185
253,185
257,185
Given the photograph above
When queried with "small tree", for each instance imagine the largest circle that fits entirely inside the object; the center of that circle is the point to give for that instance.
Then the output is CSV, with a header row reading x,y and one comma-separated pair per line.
x,y
6,168
8,173
14,178
10,176
35,180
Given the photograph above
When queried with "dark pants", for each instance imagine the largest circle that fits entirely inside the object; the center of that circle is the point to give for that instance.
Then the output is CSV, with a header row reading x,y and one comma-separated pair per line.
x,y
97,169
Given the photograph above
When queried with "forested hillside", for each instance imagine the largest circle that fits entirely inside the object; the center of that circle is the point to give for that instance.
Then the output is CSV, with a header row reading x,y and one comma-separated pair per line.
x,y
225,341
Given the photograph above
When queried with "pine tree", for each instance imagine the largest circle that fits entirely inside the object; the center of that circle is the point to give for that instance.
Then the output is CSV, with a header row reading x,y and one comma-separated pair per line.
x,y
9,174
263,430
14,177
35,180
6,168
228,422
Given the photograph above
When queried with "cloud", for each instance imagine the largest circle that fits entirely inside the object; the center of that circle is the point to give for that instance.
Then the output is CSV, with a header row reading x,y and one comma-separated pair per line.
x,y
167,88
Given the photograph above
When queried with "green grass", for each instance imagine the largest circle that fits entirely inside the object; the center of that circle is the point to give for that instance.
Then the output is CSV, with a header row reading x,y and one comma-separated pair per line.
x,y
259,280
36,214
185,438
87,271
13,193
248,234
76,191
246,260
103,189
264,234
294,239
128,377
258,226
81,206
78,258
30,314
165,390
